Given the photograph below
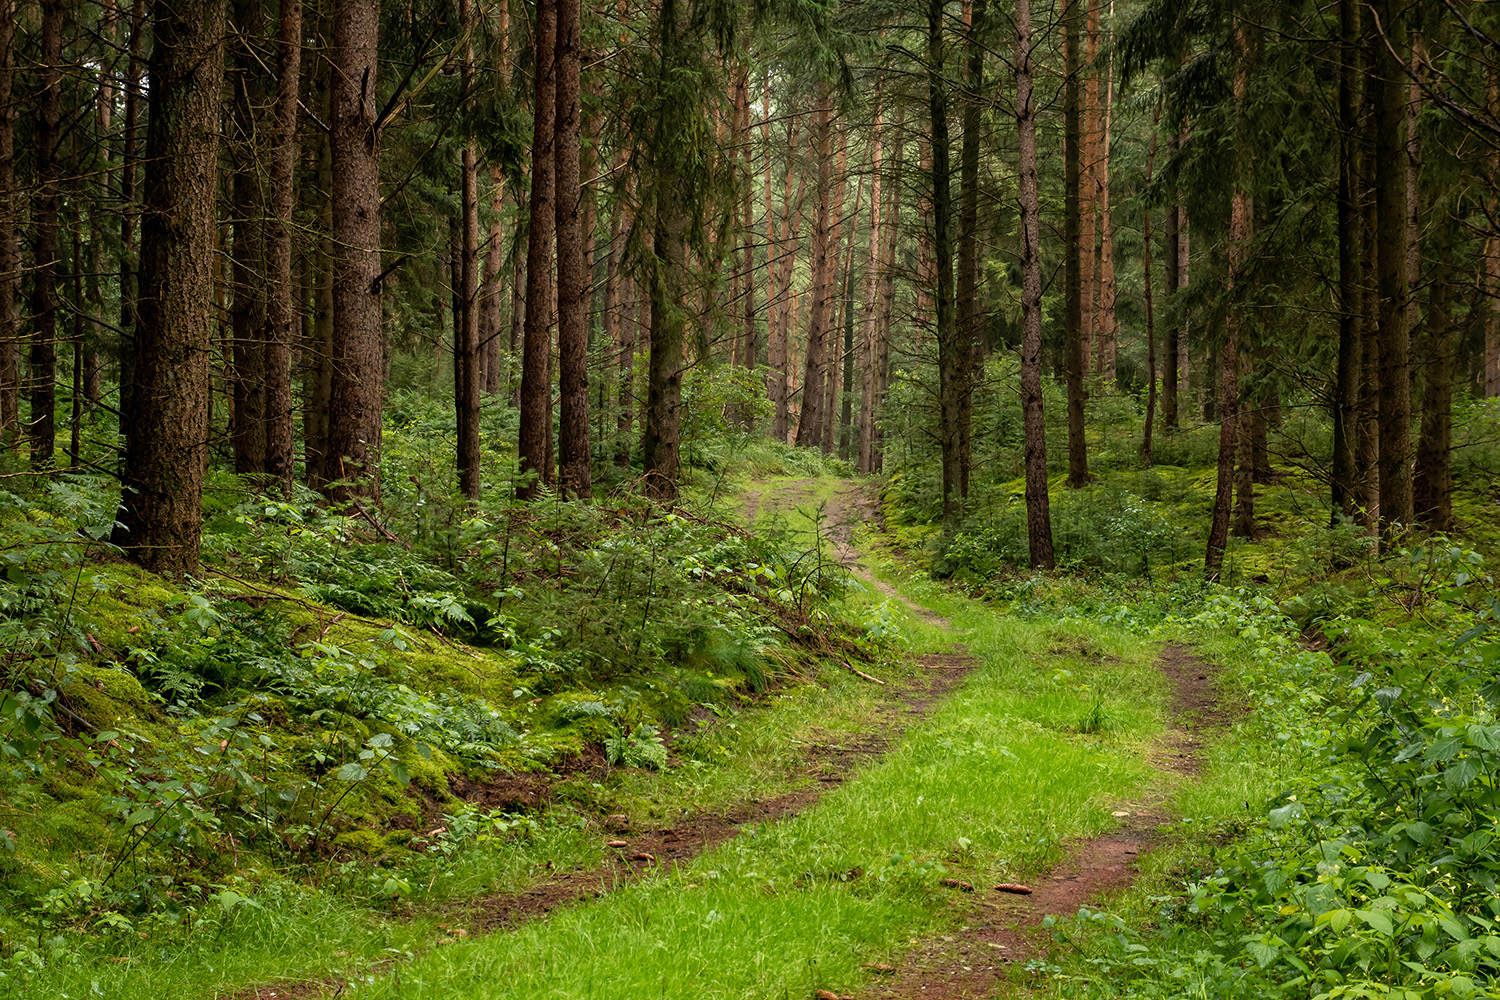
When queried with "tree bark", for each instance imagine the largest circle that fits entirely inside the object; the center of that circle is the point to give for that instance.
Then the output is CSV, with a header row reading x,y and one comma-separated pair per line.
x,y
951,357
787,247
160,521
468,379
1088,184
280,314
1149,294
1105,311
868,351
1248,417
536,392
41,376
1491,272
1345,399
10,248
357,361
810,422
1073,276
1034,430
318,352
968,313
838,288
492,288
573,281
1239,239
1389,125
1171,262
1432,489
247,315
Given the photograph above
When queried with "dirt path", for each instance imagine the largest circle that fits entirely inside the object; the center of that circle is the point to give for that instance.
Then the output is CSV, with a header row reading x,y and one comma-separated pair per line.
x,y
642,850
1004,931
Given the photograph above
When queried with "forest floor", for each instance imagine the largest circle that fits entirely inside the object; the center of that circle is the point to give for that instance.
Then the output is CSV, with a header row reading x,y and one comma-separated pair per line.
x,y
925,817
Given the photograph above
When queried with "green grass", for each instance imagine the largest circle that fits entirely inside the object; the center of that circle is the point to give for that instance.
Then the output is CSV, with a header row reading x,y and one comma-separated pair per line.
x,y
990,787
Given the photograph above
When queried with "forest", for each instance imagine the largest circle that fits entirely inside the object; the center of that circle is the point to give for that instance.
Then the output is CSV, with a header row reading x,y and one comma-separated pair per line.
x,y
803,498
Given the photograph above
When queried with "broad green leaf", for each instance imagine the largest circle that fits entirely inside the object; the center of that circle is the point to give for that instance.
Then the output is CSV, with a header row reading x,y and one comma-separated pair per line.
x,y
352,772
1462,774
1377,920
1280,817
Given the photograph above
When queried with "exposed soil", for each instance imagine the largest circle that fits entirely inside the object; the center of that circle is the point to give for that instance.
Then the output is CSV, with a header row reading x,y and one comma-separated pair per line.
x,y
1004,930
848,509
1004,933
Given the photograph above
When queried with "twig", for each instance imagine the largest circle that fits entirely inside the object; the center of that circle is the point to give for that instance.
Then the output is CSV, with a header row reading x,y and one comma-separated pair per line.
x,y
860,673
377,525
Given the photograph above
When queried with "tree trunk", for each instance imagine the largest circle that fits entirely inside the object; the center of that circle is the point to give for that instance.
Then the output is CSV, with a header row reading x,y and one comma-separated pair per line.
x,y
1491,273
318,374
1249,415
1150,294
887,291
1389,131
622,326
280,315
468,379
1432,489
1170,271
357,361
952,359
160,521
572,272
1038,510
1073,276
1088,184
832,367
536,391
1105,325
968,314
42,358
1239,239
247,316
868,350
492,288
787,247
1346,376
10,247
810,422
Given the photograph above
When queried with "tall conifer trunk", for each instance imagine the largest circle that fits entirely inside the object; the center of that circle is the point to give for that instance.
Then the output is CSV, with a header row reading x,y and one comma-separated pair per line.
x,y
968,312
536,391
1149,295
10,248
160,521
247,348
1073,278
1034,430
41,376
1433,486
1345,398
868,350
357,357
467,376
1392,280
952,358
572,270
1238,248
810,422
280,314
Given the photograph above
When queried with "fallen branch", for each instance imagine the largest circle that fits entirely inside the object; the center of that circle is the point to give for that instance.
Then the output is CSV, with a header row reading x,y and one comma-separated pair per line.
x,y
860,673
377,525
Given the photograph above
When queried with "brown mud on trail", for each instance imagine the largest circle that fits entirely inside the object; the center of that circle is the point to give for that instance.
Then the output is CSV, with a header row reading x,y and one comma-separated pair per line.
x,y
654,847
849,508
1004,932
